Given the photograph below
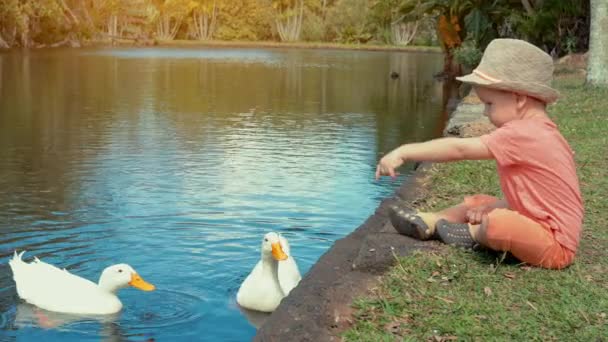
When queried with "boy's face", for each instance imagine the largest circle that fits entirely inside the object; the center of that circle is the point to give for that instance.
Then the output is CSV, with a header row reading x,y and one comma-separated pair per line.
x,y
501,106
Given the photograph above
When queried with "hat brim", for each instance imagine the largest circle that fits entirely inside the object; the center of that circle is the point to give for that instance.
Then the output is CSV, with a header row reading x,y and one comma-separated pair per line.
x,y
536,90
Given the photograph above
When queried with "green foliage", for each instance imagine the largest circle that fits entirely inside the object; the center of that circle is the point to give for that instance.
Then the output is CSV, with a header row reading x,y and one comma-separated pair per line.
x,y
347,21
468,54
314,28
244,20
205,6
426,35
477,20
382,15
558,26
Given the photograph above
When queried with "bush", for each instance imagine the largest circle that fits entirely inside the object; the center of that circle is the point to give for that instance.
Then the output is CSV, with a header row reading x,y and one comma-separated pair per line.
x,y
468,54
347,21
244,20
313,27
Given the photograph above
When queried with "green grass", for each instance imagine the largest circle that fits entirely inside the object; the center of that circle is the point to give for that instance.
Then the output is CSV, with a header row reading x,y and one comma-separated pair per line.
x,y
453,294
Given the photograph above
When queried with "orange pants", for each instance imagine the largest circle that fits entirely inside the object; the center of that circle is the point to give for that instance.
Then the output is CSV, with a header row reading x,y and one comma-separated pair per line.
x,y
528,240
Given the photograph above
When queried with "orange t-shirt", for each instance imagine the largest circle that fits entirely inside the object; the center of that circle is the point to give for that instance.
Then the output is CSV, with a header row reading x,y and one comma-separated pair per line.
x,y
538,176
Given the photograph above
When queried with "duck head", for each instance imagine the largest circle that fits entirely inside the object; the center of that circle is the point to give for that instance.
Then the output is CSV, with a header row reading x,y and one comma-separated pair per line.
x,y
119,276
271,246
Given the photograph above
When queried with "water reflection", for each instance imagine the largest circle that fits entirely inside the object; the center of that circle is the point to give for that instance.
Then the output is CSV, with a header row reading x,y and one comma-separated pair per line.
x,y
255,318
28,315
177,161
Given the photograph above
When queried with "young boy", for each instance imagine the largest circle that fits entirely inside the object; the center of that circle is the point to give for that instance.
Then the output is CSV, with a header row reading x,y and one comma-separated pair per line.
x,y
539,220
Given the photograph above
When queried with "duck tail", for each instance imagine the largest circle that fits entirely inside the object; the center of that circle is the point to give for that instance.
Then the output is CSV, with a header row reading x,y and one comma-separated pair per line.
x,y
17,258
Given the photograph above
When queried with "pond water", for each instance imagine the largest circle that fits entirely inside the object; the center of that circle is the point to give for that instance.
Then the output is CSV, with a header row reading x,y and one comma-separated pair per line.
x,y
178,160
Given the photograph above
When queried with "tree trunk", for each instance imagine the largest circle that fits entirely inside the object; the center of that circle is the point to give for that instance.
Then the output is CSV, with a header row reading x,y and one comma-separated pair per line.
x,y
25,30
597,71
289,28
178,23
3,44
167,31
162,29
113,26
70,15
528,7
323,9
450,67
404,33
204,25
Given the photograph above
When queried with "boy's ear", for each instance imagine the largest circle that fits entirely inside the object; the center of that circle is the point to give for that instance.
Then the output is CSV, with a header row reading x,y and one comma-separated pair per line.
x,y
521,101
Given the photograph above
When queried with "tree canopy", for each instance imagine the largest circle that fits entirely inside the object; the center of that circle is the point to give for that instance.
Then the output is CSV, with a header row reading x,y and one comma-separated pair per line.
x,y
462,27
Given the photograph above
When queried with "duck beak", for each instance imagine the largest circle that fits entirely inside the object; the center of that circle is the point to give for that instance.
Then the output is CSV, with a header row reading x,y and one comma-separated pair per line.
x,y
138,282
277,252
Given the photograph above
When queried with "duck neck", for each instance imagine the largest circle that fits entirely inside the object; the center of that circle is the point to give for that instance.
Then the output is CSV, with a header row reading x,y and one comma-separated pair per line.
x,y
108,286
270,266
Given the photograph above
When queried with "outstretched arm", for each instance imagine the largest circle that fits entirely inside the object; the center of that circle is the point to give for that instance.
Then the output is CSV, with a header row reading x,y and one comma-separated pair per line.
x,y
438,150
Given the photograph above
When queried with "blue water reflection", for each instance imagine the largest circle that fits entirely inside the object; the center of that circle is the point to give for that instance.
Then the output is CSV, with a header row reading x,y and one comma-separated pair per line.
x,y
177,161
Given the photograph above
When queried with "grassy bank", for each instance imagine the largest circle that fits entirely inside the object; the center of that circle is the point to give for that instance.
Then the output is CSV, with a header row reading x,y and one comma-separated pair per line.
x,y
304,45
458,295
265,44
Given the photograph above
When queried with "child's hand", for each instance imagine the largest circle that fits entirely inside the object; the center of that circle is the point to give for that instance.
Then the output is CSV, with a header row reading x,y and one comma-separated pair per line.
x,y
388,164
474,215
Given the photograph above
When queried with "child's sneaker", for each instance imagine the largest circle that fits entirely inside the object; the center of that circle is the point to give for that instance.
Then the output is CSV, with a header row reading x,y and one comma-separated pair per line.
x,y
456,234
407,222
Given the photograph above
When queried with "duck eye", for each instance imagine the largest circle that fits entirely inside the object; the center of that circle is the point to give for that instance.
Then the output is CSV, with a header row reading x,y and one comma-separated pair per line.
x,y
265,239
119,271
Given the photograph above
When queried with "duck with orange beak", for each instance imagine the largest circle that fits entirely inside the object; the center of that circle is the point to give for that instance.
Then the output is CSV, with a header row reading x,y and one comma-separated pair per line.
x,y
58,290
261,290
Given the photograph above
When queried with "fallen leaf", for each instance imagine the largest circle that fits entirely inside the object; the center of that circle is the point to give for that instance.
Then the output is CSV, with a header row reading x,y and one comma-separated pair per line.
x,y
487,291
439,338
531,305
526,268
449,301
393,327
435,273
510,275
584,316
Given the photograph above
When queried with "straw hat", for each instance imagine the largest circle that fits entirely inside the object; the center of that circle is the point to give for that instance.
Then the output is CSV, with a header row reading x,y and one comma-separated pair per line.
x,y
517,66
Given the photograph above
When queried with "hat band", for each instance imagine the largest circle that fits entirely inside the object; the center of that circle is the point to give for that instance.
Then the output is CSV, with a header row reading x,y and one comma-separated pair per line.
x,y
485,76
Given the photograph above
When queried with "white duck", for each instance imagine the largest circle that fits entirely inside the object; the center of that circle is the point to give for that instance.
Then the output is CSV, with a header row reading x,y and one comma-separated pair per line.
x,y
261,290
289,274
54,289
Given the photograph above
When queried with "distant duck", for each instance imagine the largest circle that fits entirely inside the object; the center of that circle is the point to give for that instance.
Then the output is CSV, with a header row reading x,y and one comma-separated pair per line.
x,y
58,290
289,274
394,74
270,280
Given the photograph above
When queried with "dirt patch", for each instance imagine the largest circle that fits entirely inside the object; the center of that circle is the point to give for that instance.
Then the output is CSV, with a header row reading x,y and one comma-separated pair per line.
x,y
572,63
